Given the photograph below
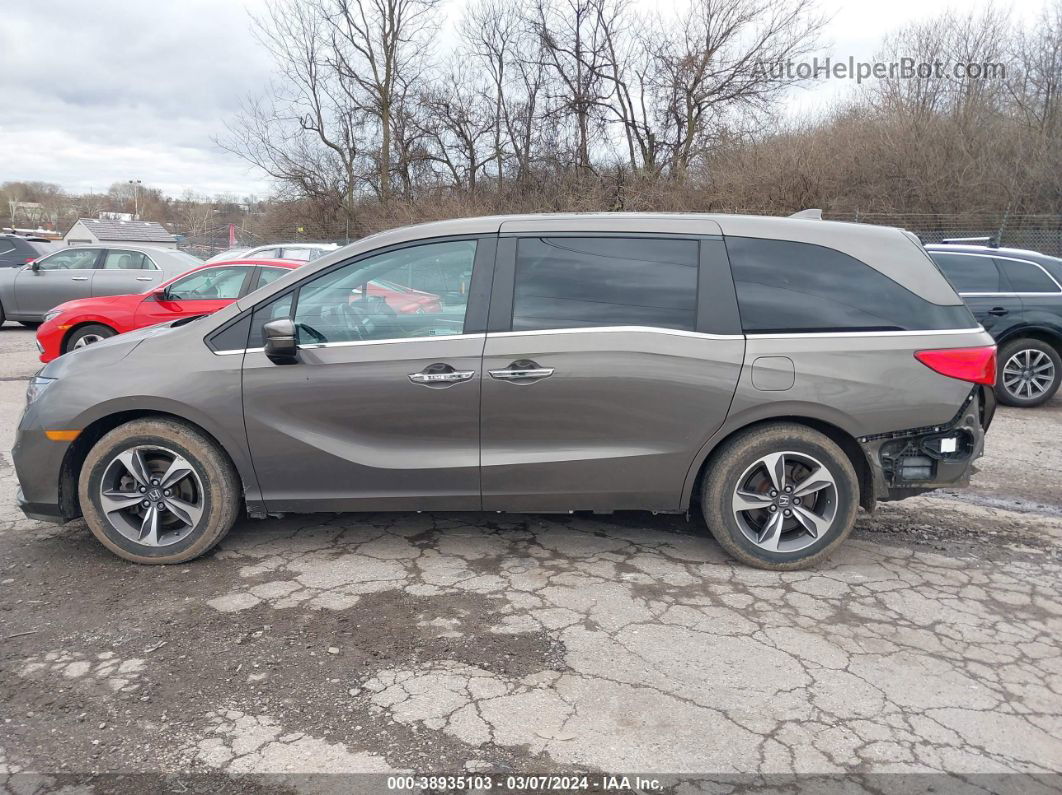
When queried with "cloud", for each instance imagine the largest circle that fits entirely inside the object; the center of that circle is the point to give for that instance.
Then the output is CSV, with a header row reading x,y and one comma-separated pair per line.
x,y
105,91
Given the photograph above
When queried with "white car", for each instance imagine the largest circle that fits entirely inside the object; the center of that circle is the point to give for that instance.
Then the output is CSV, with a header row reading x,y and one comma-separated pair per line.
x,y
298,251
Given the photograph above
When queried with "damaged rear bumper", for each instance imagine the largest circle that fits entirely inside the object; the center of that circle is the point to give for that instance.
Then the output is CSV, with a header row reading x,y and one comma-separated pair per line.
x,y
913,461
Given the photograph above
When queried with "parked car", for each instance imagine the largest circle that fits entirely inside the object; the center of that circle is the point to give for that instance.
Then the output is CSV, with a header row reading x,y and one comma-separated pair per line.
x,y
1017,296
776,373
200,291
300,251
27,293
18,250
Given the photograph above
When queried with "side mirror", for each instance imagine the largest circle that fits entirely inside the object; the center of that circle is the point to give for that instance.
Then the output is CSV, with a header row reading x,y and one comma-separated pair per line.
x,y
280,343
161,293
35,266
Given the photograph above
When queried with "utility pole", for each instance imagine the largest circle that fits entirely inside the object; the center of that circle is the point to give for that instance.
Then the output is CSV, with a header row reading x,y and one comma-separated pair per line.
x,y
136,198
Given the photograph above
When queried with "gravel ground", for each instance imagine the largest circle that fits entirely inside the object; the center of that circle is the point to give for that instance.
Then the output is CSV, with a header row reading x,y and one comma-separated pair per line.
x,y
442,643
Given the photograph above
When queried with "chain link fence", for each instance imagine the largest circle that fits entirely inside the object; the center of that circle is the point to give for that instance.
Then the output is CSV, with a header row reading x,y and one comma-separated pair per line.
x,y
1042,233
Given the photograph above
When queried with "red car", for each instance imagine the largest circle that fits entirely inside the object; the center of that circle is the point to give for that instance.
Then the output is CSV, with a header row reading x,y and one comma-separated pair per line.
x,y
200,291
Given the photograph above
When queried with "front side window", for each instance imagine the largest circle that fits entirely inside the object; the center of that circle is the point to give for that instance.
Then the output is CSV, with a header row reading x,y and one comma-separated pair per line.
x,y
573,282
72,259
367,299
783,286
210,284
968,274
125,261
1025,277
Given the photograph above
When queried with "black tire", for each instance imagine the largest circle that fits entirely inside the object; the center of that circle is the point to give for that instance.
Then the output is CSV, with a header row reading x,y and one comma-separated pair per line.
x,y
1035,348
88,333
220,489
30,323
731,463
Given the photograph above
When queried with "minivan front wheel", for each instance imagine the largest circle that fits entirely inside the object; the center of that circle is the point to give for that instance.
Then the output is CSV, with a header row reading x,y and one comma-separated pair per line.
x,y
158,491
780,496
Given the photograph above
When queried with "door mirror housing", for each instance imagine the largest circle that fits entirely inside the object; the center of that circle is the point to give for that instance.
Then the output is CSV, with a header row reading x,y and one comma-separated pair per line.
x,y
280,344
34,266
161,293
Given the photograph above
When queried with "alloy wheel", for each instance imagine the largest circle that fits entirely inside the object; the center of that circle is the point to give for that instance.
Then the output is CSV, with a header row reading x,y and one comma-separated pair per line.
x,y
151,495
1028,374
88,339
785,502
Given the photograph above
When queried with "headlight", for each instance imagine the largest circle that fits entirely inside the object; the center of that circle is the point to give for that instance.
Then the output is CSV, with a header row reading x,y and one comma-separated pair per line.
x,y
36,387
51,314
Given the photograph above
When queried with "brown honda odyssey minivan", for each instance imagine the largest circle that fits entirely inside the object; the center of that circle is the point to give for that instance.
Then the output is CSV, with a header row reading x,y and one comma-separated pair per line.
x,y
774,373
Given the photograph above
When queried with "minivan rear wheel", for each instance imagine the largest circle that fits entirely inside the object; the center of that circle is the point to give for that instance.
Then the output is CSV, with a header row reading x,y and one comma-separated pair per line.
x,y
158,491
1029,374
780,496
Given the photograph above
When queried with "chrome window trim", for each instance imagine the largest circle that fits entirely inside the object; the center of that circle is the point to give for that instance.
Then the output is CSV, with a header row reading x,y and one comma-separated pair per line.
x,y
639,329
905,333
596,329
1009,259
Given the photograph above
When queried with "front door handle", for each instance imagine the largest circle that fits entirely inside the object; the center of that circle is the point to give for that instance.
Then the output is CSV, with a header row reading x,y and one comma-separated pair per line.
x,y
998,311
442,377
523,370
79,278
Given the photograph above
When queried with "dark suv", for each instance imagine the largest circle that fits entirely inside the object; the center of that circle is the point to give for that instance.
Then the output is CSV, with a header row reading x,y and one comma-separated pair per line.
x,y
777,373
18,250
1017,297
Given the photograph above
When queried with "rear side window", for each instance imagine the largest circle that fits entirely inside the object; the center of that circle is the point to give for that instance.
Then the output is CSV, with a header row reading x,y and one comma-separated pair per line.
x,y
783,286
1025,277
969,274
572,282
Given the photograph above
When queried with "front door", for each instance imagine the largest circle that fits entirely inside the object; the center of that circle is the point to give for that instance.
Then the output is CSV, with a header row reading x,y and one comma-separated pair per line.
x,y
381,410
59,277
608,383
201,292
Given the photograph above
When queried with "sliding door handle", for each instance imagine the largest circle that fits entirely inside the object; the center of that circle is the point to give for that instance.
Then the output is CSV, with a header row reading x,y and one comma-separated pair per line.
x,y
522,370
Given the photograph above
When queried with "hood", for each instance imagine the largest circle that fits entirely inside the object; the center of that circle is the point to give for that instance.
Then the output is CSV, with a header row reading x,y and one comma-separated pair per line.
x,y
106,352
83,304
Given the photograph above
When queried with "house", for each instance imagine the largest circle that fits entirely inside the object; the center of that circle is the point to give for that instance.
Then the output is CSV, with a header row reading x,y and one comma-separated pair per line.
x,y
99,230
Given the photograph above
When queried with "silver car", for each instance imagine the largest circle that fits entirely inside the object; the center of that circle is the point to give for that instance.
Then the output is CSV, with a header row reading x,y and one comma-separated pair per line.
x,y
774,374
298,251
28,292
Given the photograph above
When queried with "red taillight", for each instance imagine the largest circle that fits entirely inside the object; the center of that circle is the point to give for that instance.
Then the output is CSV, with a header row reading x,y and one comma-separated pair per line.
x,y
967,364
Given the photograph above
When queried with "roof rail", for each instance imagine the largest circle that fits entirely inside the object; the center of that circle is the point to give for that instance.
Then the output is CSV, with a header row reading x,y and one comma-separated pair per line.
x,y
811,215
989,241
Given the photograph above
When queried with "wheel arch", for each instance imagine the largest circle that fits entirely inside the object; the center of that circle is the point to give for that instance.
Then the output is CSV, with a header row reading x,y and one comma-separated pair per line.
x,y
80,325
74,459
842,438
1043,334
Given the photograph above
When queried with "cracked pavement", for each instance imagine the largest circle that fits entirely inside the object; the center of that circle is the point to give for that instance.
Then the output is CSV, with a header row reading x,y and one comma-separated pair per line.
x,y
442,643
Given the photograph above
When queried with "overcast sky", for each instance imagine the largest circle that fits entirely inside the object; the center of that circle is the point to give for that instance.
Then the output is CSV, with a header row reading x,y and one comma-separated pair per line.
x,y
109,90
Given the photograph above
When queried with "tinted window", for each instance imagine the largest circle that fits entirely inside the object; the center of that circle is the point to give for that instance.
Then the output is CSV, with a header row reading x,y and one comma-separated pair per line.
x,y
968,274
71,259
365,301
125,260
209,284
570,282
1025,277
233,337
269,275
799,287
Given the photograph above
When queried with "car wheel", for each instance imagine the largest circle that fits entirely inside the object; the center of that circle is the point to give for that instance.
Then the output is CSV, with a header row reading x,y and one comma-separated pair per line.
x,y
1029,373
780,496
30,323
158,491
87,335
